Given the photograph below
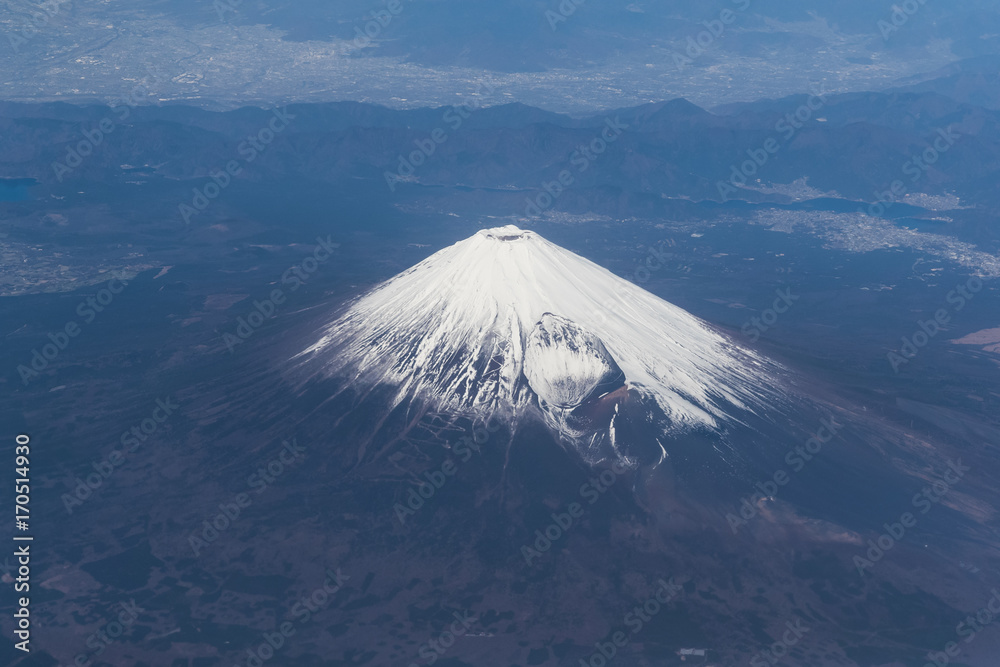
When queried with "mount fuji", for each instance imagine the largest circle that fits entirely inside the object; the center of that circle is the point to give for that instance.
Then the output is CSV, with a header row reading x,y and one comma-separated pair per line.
x,y
506,324
458,412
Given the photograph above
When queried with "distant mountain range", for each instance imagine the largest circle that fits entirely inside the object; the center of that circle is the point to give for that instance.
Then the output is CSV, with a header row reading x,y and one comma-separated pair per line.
x,y
850,146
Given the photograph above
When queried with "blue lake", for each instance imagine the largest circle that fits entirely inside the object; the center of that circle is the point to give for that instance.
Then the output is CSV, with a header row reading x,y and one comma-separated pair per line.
x,y
15,189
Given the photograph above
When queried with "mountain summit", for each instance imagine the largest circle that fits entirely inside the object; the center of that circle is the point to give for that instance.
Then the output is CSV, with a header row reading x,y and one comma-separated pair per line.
x,y
506,323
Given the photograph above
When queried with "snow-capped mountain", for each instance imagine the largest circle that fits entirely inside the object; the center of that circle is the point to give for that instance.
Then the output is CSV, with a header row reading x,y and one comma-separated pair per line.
x,y
505,323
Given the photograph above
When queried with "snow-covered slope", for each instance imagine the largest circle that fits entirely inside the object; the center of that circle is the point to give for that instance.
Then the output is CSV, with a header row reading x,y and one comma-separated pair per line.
x,y
504,318
565,365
